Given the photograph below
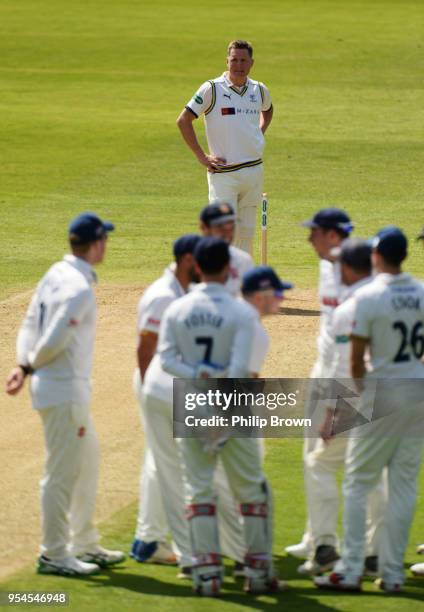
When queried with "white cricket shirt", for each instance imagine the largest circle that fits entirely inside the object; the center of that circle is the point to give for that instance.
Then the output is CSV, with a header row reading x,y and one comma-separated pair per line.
x,y
207,326
331,291
240,263
57,335
341,329
232,120
152,306
390,312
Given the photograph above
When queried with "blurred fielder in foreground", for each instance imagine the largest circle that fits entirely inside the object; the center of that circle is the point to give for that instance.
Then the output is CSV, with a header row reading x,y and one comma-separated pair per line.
x,y
389,321
55,346
210,334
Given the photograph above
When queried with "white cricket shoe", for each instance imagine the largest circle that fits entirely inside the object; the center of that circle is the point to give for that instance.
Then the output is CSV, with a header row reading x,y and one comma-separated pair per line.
x,y
102,556
164,554
420,549
300,551
68,566
417,569
337,582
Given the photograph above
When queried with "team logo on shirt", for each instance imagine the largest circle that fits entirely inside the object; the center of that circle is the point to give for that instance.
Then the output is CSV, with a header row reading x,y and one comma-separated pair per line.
x,y
228,111
73,323
253,98
81,432
198,99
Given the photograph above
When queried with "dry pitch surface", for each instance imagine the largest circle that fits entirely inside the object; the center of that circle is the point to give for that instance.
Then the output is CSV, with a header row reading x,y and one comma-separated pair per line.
x,y
114,408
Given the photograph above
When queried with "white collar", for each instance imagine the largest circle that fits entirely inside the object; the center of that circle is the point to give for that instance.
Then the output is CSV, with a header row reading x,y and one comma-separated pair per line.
x,y
351,289
82,266
230,84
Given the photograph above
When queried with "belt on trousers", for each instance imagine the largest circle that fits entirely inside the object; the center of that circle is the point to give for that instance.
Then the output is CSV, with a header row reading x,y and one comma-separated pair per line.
x,y
233,167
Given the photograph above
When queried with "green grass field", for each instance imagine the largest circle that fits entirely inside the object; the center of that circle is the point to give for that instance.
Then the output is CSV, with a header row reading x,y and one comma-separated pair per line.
x,y
90,94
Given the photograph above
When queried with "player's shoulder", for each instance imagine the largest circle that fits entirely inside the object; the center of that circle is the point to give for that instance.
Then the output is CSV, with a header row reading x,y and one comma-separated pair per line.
x,y
245,311
240,255
68,279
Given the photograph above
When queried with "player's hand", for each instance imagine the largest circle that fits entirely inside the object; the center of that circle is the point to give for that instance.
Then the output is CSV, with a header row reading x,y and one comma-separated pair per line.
x,y
15,381
212,162
326,429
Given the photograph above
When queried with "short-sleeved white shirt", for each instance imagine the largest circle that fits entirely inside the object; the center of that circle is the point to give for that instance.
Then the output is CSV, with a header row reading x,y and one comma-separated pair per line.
x,y
389,311
232,120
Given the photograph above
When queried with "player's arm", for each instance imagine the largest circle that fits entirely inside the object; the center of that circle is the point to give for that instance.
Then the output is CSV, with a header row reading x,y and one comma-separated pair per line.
x,y
267,110
61,329
266,118
170,357
146,348
25,341
200,103
357,356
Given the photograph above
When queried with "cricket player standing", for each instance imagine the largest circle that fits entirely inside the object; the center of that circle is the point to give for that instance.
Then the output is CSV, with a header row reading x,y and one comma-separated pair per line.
x,y
55,346
237,111
388,320
328,228
209,334
153,388
328,456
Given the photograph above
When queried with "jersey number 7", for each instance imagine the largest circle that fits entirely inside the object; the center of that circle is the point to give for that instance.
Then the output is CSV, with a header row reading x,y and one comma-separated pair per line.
x,y
208,342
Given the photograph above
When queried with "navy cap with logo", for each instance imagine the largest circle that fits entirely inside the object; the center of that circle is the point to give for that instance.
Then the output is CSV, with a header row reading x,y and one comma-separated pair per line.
x,y
356,253
185,244
88,227
217,213
330,218
212,254
391,243
262,278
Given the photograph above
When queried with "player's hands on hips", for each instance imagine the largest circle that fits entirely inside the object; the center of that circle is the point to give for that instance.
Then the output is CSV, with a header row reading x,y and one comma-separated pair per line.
x,y
212,162
15,381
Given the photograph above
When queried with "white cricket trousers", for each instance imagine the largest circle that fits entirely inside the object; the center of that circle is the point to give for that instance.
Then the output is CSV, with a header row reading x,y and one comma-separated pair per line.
x,y
69,484
243,190
322,490
242,462
152,525
388,442
158,424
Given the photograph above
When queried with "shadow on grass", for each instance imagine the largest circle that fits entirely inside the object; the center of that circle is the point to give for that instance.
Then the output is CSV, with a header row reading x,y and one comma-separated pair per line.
x,y
300,596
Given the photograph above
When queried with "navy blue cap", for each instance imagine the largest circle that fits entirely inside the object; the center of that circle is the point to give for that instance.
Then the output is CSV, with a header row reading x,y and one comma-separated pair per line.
x,y
217,213
88,227
185,244
212,254
330,218
261,278
391,243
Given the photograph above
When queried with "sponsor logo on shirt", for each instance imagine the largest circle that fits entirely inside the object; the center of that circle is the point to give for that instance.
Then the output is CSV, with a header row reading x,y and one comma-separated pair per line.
x,y
227,96
81,432
198,99
73,323
228,110
153,321
330,301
